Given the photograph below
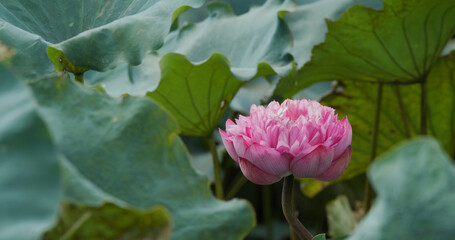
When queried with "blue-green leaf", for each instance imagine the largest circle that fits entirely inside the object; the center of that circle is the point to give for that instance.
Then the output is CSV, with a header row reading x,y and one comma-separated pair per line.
x,y
196,95
255,43
128,149
93,34
29,172
415,194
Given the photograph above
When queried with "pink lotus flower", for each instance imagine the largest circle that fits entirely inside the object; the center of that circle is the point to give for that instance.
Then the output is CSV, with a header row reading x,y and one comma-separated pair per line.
x,y
298,137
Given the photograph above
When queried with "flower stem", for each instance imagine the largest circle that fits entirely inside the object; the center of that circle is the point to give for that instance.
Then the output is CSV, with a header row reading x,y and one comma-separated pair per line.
x,y
216,169
293,236
288,210
291,230
374,143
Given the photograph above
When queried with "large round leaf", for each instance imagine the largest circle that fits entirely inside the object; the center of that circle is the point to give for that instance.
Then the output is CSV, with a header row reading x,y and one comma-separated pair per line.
x,y
441,102
92,34
308,27
127,79
399,43
255,91
111,222
222,32
415,191
400,115
29,171
128,148
258,36
196,95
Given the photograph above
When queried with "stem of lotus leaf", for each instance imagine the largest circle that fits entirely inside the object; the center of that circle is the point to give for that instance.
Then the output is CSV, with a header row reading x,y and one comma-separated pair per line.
x,y
403,112
267,206
289,212
76,225
79,77
237,184
374,142
423,107
216,169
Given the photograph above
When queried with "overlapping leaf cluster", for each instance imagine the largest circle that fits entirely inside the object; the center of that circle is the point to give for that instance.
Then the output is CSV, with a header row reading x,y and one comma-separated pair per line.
x,y
85,145
399,47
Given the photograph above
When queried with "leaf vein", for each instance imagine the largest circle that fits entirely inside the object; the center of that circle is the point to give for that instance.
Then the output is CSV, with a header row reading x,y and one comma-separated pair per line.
x,y
178,111
186,80
391,57
365,60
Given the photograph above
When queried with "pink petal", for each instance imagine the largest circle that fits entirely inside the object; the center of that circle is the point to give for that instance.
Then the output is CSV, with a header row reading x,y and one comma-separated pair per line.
x,y
294,133
268,159
240,146
337,168
256,175
314,163
304,149
345,141
229,124
229,145
283,142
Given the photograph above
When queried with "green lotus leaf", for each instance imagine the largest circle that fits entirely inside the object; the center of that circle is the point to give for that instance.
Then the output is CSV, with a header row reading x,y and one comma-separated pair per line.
x,y
319,237
357,101
199,41
397,44
415,194
62,64
29,172
93,34
255,43
441,102
256,91
308,26
128,149
195,95
110,221
201,156
127,79
79,189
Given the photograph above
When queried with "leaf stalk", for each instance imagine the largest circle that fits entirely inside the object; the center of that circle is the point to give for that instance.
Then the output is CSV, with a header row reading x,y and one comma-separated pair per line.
x,y
423,105
374,143
237,184
403,112
216,169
